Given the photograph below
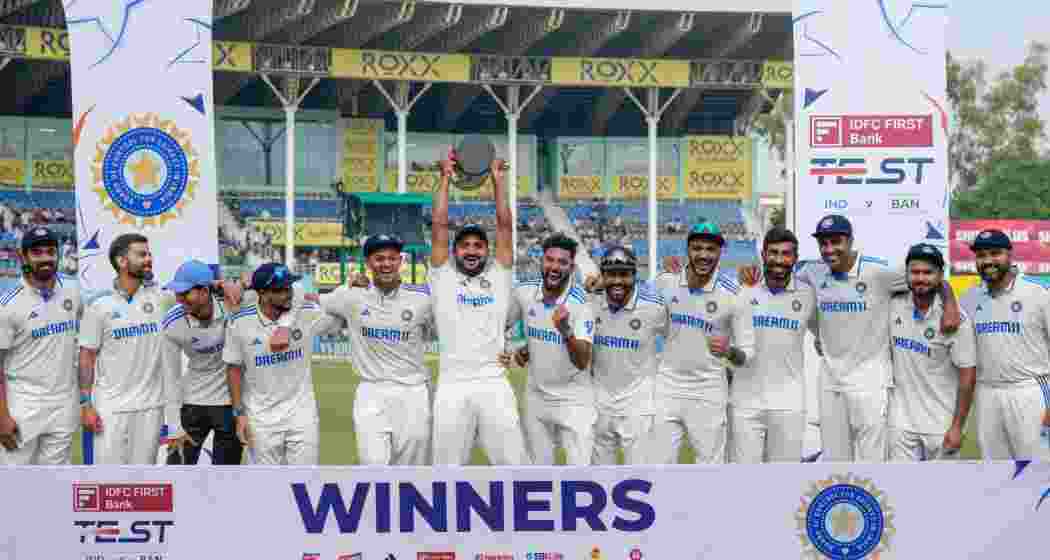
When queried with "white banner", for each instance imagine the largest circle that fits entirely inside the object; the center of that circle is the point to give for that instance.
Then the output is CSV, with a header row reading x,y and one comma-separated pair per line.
x,y
936,510
143,131
872,126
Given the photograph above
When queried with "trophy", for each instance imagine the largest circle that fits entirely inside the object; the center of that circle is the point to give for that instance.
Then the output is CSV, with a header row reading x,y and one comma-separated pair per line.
x,y
472,160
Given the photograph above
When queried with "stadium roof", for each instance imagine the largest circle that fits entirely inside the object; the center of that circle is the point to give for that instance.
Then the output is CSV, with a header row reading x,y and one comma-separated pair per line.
x,y
41,87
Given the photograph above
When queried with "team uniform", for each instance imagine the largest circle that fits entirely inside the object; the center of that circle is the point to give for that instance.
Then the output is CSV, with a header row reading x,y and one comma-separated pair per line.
x,y
474,399
559,399
203,392
767,411
853,311
130,370
277,387
624,365
925,378
692,387
1013,368
39,337
387,345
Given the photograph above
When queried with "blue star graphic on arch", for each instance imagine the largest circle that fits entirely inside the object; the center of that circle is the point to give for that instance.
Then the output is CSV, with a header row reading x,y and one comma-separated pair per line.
x,y
900,29
1019,467
191,54
817,47
113,22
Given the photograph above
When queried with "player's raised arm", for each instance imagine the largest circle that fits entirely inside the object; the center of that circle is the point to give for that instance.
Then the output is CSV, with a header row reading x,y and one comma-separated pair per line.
x,y
504,218
439,219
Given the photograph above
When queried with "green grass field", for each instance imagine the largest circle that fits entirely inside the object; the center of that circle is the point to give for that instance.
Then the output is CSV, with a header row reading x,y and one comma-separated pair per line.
x,y
336,384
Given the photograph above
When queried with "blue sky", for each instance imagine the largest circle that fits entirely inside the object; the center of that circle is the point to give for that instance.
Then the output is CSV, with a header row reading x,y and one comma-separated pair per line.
x,y
997,32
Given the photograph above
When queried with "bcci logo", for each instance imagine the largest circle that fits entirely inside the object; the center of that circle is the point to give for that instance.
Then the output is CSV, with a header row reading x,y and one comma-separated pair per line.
x,y
67,305
145,170
712,307
796,306
844,518
406,315
929,334
297,334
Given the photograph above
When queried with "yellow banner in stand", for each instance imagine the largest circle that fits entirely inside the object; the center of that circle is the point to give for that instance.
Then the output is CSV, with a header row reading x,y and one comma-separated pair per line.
x,y
620,72
307,234
327,274
393,65
426,182
46,173
361,155
718,167
637,186
579,187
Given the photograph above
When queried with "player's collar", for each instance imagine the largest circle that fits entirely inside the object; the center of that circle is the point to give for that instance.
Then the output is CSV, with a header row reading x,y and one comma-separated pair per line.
x,y
917,313
218,313
44,293
145,285
466,279
632,302
791,287
562,297
683,280
1008,289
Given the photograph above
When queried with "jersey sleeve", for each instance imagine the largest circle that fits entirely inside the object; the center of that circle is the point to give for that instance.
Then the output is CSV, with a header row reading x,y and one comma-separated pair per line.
x,y
340,301
964,345
895,279
174,326
325,324
743,326
514,310
583,322
806,272
232,352
7,329
92,326
173,378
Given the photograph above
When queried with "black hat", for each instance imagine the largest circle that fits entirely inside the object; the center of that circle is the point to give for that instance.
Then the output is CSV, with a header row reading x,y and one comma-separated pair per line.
x,y
273,276
382,241
991,239
38,235
833,224
925,252
619,258
471,229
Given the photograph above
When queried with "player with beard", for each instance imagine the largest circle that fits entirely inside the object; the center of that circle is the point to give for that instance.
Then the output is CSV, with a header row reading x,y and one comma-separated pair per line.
x,y
627,322
1011,316
196,327
933,375
123,360
767,410
38,341
472,295
387,320
709,330
559,326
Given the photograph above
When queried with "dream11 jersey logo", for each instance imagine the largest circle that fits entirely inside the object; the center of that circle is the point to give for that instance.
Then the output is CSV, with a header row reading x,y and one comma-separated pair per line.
x,y
519,505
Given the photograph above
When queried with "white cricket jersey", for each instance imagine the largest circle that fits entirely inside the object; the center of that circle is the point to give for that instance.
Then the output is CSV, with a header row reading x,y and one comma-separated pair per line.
x,y
277,388
625,358
853,310
775,378
1011,332
40,337
204,382
926,366
552,375
471,316
126,332
386,331
687,368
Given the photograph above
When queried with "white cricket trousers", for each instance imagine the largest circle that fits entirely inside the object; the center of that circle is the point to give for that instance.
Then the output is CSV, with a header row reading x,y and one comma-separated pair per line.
x,y
632,433
766,436
129,438
477,410
1009,421
705,423
568,426
46,434
906,446
297,445
853,425
392,423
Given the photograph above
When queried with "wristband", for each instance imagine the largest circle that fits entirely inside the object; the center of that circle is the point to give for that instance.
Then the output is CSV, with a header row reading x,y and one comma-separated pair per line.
x,y
238,412
85,400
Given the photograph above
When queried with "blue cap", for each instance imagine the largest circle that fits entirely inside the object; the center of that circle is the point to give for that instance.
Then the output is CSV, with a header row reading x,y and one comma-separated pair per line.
x,y
925,252
273,276
471,229
382,241
192,274
991,239
38,235
833,224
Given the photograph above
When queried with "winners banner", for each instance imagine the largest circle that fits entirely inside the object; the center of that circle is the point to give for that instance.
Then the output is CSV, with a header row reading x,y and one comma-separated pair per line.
x,y
801,510
872,127
143,131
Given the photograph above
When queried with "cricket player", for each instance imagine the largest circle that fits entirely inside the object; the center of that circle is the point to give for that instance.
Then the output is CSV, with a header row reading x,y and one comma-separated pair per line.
x,y
627,322
559,328
709,329
268,353
853,294
196,327
767,411
387,323
472,296
38,332
933,375
123,356
1011,316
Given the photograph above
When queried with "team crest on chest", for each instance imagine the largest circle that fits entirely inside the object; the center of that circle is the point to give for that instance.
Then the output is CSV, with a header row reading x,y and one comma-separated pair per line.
x,y
532,312
674,299
636,324
1016,307
297,334
406,315
67,305
861,288
929,334
796,306
147,308
485,284
712,307
754,301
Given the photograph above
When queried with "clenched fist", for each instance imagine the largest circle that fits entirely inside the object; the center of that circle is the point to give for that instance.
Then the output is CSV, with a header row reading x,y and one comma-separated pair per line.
x,y
561,319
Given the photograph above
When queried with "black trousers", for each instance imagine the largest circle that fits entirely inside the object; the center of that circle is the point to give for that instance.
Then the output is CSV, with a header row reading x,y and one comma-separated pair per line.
x,y
198,421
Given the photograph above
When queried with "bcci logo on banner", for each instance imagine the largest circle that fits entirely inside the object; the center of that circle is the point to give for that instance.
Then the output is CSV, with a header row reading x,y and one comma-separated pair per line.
x,y
145,170
844,518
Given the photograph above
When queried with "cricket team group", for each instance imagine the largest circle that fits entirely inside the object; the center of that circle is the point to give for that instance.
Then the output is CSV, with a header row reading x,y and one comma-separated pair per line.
x,y
615,365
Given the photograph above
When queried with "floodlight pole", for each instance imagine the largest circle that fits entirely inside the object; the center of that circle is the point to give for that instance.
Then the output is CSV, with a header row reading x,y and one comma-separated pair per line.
x,y
402,106
512,108
290,99
653,110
